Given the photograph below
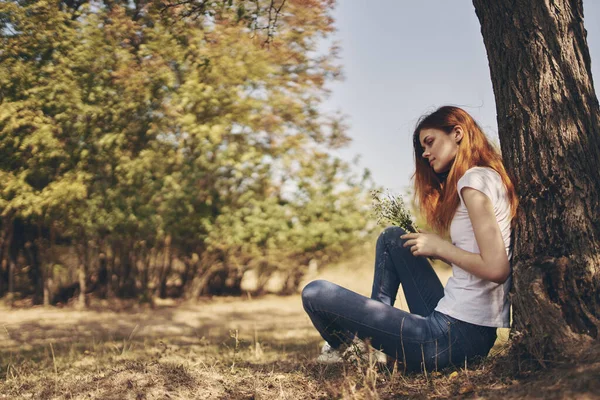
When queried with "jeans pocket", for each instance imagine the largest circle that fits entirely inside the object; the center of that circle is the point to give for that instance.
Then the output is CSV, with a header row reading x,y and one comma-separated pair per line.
x,y
445,322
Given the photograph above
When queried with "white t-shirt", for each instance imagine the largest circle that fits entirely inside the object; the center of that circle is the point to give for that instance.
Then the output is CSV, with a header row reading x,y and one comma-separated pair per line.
x,y
467,297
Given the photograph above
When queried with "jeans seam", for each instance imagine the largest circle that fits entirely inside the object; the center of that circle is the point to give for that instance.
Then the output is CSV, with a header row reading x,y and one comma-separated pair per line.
x,y
379,330
381,273
411,277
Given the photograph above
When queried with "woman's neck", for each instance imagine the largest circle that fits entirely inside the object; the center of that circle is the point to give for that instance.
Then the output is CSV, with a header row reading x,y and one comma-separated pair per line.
x,y
443,175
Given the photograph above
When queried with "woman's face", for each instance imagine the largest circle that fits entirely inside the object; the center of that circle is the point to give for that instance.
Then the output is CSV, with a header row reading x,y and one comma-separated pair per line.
x,y
439,147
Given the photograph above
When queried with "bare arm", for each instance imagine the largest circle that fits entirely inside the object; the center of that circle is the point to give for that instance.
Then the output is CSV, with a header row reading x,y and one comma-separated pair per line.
x,y
492,263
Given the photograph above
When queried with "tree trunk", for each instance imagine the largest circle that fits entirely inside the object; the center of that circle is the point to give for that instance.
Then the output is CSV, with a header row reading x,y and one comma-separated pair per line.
x,y
48,285
113,278
7,233
82,287
103,276
11,282
35,272
165,271
45,248
548,123
81,273
127,264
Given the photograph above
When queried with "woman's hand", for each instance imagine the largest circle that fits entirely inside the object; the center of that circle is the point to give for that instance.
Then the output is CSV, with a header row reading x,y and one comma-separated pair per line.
x,y
424,243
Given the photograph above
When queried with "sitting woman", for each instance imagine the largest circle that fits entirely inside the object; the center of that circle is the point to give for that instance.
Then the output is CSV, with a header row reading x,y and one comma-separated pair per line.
x,y
461,186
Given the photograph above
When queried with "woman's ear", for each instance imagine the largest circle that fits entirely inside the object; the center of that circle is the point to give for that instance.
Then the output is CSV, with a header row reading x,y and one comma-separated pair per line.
x,y
458,133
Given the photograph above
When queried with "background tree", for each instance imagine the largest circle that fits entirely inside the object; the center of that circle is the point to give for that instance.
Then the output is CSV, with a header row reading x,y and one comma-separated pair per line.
x,y
549,128
167,154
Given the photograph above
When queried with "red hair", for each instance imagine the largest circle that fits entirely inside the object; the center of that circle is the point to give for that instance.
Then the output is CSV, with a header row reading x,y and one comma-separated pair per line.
x,y
436,197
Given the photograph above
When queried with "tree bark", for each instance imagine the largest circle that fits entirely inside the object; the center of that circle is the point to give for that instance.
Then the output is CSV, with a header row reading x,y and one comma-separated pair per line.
x,y
81,273
103,276
5,242
11,282
47,257
548,124
165,269
82,287
35,272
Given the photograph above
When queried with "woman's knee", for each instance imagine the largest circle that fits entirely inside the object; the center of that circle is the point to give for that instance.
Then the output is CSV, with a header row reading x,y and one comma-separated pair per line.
x,y
314,289
391,234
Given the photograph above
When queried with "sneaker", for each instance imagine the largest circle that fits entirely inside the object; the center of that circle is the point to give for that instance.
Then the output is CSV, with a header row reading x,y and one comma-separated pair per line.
x,y
358,350
329,355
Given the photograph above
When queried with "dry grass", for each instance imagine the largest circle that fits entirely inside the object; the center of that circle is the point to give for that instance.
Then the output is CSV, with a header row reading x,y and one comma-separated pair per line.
x,y
231,348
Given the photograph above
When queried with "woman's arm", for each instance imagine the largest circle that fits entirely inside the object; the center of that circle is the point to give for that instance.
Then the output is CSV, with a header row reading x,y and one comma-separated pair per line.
x,y
492,263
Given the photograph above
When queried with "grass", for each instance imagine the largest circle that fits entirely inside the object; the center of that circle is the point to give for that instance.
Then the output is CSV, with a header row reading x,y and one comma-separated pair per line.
x,y
231,348
226,367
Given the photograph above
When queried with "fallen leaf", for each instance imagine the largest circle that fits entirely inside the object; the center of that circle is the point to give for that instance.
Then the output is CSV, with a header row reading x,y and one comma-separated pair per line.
x,y
468,388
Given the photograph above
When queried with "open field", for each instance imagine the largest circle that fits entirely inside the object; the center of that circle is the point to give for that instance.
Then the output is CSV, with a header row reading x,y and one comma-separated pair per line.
x,y
231,348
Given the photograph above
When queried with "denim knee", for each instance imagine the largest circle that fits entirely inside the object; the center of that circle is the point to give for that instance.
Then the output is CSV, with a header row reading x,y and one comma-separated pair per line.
x,y
391,235
314,290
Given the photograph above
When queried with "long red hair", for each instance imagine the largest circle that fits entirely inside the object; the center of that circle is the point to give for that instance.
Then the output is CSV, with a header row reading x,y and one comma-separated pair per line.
x,y
436,197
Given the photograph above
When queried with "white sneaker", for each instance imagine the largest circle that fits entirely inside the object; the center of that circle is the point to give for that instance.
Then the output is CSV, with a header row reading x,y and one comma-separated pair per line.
x,y
360,351
329,355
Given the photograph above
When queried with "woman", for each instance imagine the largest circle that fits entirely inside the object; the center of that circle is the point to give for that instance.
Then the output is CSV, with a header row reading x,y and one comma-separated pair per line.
x,y
461,188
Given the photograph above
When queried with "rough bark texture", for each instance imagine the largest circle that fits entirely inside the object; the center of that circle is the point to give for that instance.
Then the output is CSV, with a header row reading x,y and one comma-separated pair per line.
x,y
548,123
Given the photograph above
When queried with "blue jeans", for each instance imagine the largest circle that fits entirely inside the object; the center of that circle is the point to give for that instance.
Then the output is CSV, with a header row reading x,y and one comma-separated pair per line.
x,y
423,338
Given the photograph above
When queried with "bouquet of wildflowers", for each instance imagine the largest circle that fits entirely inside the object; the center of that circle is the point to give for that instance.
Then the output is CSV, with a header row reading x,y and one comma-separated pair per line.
x,y
389,209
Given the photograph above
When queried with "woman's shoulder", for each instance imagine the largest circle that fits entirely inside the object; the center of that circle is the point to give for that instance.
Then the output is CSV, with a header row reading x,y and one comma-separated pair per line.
x,y
485,179
486,172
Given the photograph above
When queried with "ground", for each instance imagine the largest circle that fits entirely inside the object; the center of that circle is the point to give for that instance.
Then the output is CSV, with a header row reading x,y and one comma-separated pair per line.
x,y
235,348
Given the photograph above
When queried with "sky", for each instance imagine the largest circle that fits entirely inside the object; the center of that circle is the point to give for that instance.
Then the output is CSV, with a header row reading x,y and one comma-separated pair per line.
x,y
402,59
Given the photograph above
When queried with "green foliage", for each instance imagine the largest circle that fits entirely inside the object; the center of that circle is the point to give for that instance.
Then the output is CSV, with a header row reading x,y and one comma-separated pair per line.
x,y
390,209
122,126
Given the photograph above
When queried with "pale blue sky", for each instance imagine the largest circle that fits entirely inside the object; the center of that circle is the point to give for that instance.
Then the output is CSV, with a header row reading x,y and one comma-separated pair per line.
x,y
402,59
